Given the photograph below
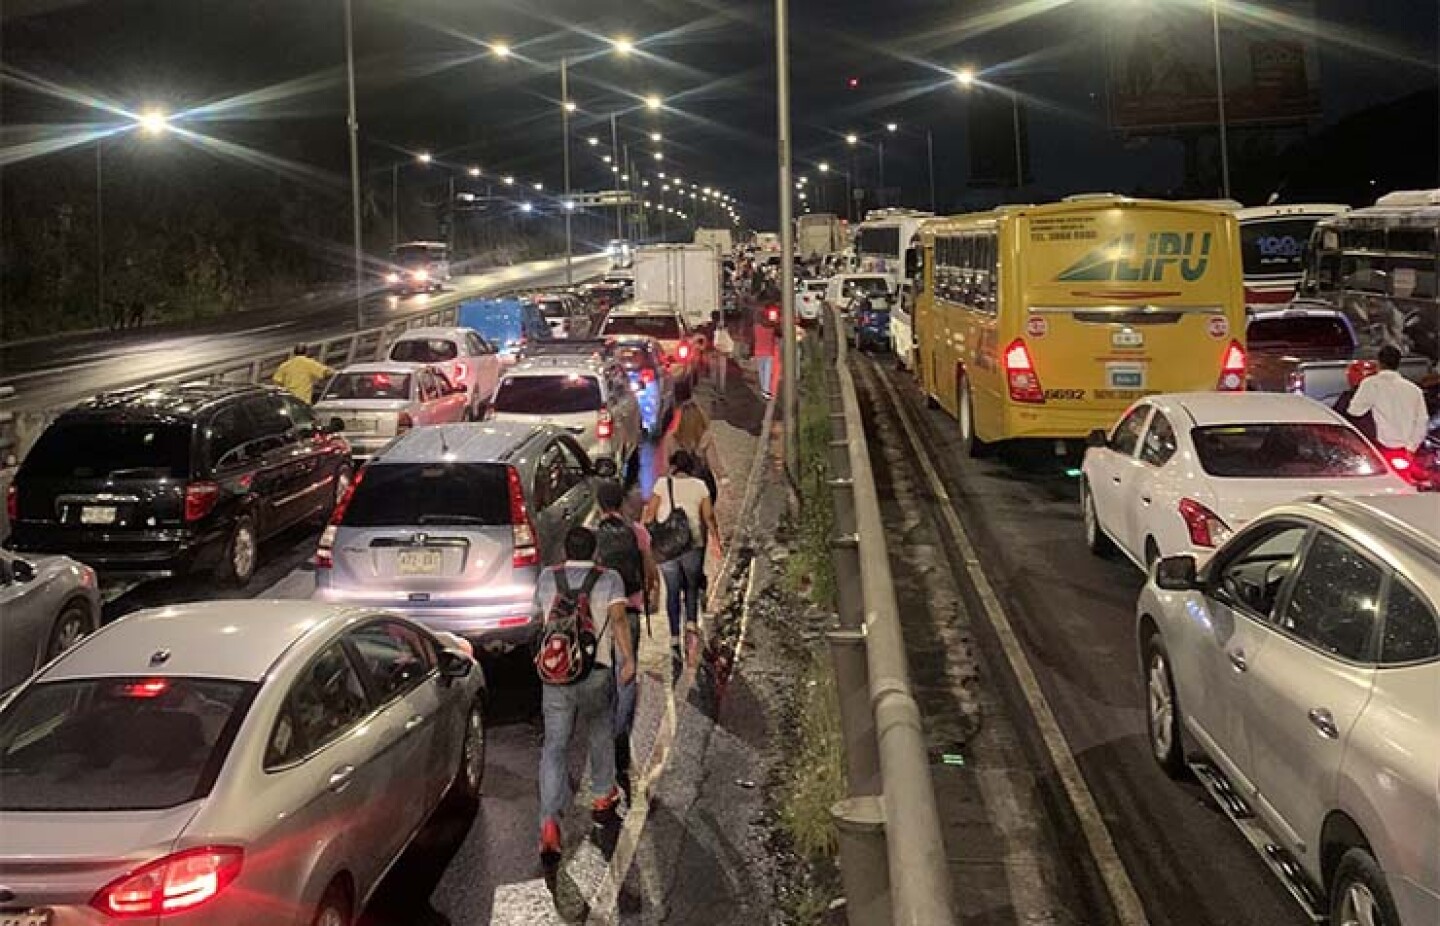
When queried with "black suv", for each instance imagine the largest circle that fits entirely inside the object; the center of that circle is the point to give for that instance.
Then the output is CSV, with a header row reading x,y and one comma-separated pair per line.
x,y
165,480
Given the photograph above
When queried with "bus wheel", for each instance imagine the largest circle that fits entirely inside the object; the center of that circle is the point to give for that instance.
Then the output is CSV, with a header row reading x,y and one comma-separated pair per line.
x,y
965,410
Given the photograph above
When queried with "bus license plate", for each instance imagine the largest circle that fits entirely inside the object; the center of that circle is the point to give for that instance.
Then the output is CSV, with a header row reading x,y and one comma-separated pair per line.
x,y
419,562
25,918
93,514
1125,375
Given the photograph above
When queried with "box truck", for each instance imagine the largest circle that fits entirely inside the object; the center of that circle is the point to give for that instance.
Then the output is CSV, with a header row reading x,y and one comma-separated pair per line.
x,y
817,235
684,275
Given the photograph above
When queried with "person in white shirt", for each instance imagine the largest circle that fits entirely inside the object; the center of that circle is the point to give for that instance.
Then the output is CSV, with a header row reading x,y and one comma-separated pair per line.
x,y
684,573
1397,405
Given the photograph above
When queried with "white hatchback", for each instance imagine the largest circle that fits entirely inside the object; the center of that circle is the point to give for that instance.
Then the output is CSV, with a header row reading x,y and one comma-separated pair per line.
x,y
1181,473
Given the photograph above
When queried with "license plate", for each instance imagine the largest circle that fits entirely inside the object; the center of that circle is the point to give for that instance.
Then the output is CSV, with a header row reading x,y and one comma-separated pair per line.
x,y
359,426
420,562
95,514
27,918
1125,376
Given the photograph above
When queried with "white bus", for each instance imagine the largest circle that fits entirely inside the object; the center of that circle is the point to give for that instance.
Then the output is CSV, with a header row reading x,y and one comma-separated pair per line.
x,y
1272,248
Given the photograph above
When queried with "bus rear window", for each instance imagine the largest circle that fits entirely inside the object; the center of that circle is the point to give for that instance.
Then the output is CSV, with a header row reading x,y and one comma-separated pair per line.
x,y
1275,247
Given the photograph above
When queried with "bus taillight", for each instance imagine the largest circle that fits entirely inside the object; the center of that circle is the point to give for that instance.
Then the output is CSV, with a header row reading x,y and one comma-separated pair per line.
x,y
1020,374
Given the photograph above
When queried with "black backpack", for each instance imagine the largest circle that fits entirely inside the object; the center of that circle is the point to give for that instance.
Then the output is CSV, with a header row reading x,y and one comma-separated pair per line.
x,y
616,548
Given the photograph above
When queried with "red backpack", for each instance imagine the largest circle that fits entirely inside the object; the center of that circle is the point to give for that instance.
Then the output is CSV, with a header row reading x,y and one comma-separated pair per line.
x,y
565,649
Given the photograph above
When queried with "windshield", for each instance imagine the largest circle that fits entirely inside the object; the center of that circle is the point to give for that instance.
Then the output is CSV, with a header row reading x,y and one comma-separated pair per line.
x,y
117,743
1285,451
870,286
498,326
411,257
401,494
423,350
561,394
1314,332
94,449
350,386
1275,247
634,358
551,308
663,327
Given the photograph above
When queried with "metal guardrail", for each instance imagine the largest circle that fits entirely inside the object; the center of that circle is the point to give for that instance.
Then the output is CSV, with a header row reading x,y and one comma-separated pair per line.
x,y
21,426
892,857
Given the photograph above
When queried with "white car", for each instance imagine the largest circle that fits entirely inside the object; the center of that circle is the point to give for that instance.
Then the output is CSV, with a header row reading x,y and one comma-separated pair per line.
x,y
811,302
1180,473
370,403
466,359
841,288
902,326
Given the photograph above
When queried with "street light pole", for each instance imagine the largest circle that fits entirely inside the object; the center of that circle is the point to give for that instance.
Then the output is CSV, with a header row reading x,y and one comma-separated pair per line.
x,y
99,233
354,125
615,162
930,158
566,206
788,398
1220,101
1019,155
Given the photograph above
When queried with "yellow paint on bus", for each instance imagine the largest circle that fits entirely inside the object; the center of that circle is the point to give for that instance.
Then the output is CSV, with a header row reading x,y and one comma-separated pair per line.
x,y
1048,321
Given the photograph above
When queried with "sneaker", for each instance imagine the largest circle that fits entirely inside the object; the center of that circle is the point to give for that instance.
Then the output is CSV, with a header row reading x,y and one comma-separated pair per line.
x,y
551,847
603,809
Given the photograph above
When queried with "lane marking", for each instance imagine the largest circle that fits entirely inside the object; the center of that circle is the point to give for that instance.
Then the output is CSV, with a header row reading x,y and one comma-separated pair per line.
x,y
1129,910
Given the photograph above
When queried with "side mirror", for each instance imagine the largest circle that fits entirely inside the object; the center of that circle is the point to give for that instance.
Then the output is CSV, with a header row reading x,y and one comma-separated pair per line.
x,y
1177,574
22,570
605,468
334,426
1097,438
455,664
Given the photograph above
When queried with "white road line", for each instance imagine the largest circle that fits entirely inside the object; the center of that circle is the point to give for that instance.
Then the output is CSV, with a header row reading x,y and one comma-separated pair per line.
x,y
1126,901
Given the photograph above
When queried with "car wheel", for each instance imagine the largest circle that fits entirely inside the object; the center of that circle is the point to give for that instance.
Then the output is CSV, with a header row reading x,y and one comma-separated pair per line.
x,y
1359,895
1162,709
72,626
1095,538
965,407
470,775
334,909
242,551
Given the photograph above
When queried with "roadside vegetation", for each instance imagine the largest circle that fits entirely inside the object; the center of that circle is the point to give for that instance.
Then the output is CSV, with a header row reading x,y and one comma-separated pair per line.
x,y
810,570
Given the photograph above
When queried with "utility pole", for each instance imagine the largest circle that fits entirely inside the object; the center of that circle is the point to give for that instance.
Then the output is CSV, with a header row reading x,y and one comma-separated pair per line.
x,y
567,206
99,233
1019,153
789,403
930,157
1220,101
615,162
354,123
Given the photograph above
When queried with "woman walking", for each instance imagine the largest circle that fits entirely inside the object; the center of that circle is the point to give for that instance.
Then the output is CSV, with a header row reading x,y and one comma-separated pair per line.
x,y
691,433
682,522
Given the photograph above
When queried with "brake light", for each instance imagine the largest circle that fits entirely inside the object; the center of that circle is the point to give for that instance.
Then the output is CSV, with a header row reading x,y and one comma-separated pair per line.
x,y
647,376
683,351
772,314
12,503
1232,370
457,373
522,531
150,688
404,423
200,499
1403,463
1205,527
179,882
1020,374
605,428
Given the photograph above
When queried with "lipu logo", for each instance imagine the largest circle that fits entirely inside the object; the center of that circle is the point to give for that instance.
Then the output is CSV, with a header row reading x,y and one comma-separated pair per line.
x,y
1120,260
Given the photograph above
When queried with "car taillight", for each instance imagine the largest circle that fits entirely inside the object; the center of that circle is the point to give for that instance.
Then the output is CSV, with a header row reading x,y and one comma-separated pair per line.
x,y
404,423
522,531
683,351
647,376
457,373
1205,527
605,427
1295,382
1232,370
200,499
176,883
1020,374
1403,463
12,503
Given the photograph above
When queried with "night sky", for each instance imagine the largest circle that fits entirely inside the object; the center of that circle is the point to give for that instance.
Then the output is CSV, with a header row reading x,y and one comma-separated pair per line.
x,y
427,81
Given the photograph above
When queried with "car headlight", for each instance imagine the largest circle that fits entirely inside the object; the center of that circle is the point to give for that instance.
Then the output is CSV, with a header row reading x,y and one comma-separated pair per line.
x,y
422,275
392,277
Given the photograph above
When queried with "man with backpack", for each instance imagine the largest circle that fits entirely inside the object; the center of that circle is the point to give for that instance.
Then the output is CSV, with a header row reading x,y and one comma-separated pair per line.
x,y
579,606
623,545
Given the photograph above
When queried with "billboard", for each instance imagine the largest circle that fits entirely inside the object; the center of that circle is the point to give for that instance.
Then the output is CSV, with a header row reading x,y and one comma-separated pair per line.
x,y
1162,65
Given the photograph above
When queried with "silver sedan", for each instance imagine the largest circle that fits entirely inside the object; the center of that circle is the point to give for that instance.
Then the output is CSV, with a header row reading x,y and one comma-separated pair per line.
x,y
47,605
231,763
1297,675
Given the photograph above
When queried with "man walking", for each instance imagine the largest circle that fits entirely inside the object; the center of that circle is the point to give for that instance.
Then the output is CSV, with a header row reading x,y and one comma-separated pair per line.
x,y
764,346
578,606
301,373
1397,405
624,546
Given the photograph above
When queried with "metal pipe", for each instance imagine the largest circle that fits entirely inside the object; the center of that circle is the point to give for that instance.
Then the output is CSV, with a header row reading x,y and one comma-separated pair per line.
x,y
1220,101
789,404
567,206
353,122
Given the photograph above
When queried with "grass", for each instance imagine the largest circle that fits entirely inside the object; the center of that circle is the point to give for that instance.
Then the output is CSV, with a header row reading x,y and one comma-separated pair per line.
x,y
810,570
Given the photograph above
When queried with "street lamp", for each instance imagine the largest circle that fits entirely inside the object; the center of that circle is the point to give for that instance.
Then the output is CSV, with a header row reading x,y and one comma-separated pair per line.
x,y
965,77
539,186
623,46
424,157
852,139
593,141
653,102
154,121
474,172
509,181
656,137
500,50
570,106
659,155
892,127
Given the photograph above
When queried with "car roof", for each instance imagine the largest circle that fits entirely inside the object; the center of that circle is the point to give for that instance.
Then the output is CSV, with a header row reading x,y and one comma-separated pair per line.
x,y
477,442
556,364
383,366
171,400
237,639
448,331
1217,408
1412,519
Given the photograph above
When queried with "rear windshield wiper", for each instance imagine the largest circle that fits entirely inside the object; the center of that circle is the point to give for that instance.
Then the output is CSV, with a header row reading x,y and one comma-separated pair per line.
x,y
452,519
140,471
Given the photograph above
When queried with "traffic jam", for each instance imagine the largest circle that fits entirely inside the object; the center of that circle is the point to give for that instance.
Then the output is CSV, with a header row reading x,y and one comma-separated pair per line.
x,y
242,761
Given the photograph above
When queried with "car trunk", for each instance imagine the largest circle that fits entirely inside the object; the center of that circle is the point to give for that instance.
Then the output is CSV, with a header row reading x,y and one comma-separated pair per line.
x,y
362,418
1240,501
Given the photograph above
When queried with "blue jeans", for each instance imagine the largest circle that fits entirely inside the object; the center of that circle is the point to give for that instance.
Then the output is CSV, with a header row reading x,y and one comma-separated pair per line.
x,y
683,576
626,695
591,702
763,370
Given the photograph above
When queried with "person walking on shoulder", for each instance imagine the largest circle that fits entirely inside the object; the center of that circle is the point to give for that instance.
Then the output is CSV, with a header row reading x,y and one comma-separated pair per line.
x,y
1397,405
302,373
681,520
691,433
578,608
624,546
764,347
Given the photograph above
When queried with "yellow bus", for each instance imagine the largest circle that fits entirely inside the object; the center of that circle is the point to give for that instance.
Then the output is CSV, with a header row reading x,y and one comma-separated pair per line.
x,y
1048,321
